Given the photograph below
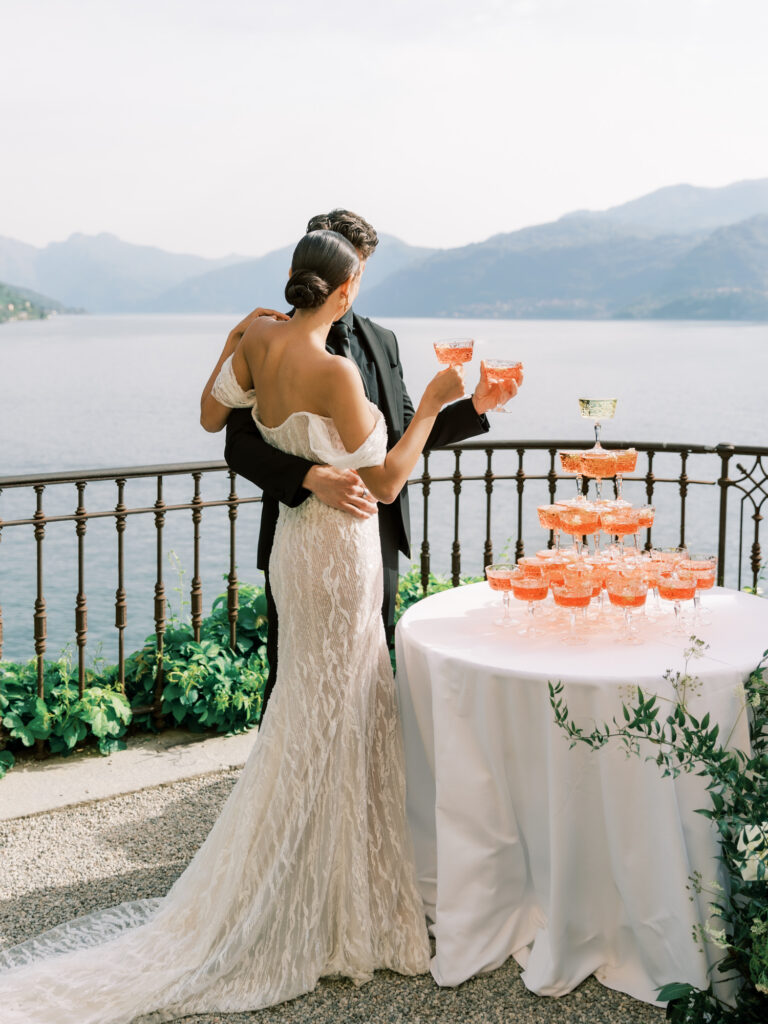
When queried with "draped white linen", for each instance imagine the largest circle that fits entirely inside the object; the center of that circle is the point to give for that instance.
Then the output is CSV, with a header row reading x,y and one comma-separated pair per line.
x,y
576,862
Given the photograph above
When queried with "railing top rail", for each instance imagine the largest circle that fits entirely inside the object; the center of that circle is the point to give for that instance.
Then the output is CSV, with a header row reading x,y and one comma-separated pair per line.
x,y
644,446
116,473
179,468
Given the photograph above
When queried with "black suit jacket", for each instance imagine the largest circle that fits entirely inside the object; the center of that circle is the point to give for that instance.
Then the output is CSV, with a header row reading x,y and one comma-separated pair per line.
x,y
280,475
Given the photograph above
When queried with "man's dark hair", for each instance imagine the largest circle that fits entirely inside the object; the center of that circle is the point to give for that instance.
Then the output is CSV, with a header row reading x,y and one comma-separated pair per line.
x,y
356,230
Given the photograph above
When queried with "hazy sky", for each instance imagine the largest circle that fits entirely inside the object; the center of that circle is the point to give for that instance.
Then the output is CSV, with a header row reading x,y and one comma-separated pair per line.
x,y
218,127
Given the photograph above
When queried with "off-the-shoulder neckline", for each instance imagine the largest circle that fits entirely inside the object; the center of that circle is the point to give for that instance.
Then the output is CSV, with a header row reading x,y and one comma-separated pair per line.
x,y
303,412
299,412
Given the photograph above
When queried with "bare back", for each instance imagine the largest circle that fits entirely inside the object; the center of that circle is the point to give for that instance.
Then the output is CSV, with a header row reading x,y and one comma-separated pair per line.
x,y
287,370
287,365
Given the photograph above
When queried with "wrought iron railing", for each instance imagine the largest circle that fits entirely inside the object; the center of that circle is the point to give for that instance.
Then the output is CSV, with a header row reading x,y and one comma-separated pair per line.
x,y
471,469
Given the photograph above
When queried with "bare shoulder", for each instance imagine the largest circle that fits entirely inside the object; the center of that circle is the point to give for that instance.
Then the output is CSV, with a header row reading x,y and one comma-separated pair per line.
x,y
260,330
341,375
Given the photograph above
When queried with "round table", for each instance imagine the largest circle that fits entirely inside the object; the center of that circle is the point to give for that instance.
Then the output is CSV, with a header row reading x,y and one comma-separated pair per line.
x,y
576,862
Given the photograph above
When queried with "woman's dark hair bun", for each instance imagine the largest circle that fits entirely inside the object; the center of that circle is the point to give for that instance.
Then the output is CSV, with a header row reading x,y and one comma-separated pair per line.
x,y
321,262
306,290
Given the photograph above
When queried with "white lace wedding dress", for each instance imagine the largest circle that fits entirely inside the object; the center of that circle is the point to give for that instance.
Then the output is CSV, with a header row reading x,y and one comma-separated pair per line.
x,y
308,870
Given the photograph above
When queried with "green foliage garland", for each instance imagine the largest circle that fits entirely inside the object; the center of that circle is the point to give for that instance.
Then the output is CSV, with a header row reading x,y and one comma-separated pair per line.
x,y
737,783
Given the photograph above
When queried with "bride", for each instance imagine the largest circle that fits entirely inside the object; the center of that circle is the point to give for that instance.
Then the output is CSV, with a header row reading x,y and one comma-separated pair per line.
x,y
308,870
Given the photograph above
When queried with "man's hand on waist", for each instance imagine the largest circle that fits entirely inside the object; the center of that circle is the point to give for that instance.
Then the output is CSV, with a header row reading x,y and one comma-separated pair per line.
x,y
342,489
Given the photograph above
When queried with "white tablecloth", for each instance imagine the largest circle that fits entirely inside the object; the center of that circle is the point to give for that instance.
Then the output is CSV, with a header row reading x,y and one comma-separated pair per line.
x,y
577,862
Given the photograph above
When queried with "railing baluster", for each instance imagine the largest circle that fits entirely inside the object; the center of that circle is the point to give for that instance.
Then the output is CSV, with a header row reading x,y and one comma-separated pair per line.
x,y
683,496
456,546
233,596
488,476
426,480
520,477
756,557
196,595
121,610
552,475
160,607
40,618
650,483
725,451
81,605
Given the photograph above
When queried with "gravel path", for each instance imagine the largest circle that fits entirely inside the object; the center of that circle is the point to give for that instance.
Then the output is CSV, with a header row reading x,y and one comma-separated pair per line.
x,y
57,865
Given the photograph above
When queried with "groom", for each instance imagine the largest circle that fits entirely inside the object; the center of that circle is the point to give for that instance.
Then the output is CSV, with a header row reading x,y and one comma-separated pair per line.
x,y
289,479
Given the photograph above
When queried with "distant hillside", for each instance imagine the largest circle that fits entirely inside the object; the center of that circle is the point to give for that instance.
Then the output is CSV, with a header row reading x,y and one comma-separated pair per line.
x,y
22,304
100,273
239,288
580,267
680,209
680,251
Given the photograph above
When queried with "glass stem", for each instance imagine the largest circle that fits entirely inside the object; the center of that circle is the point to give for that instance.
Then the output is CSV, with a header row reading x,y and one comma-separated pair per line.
x,y
531,612
618,486
506,617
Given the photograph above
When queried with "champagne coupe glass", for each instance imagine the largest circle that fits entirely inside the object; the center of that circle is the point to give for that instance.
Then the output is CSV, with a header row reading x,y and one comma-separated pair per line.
x,y
570,461
597,409
627,591
626,461
579,520
645,517
598,462
499,578
574,595
501,372
704,568
531,567
454,351
651,572
677,586
532,590
549,519
669,557
619,522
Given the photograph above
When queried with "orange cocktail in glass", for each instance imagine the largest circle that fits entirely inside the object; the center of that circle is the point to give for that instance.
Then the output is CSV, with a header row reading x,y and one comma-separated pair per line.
x,y
570,460
574,595
626,460
704,569
579,520
499,578
677,586
454,352
549,520
501,373
531,590
627,591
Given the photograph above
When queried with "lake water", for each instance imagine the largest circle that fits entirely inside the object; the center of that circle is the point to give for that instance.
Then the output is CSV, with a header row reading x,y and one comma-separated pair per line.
x,y
102,391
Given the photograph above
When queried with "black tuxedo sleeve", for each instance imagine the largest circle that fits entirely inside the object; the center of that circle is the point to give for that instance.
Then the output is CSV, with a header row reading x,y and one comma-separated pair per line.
x,y
278,474
454,423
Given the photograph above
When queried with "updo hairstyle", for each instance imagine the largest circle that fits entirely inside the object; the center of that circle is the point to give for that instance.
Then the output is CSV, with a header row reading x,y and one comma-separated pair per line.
x,y
321,262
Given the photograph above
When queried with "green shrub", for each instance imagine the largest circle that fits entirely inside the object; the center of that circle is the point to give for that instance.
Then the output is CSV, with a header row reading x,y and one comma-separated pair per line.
x,y
206,685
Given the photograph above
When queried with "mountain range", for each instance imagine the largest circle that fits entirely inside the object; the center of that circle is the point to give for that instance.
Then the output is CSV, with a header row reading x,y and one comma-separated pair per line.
x,y
678,252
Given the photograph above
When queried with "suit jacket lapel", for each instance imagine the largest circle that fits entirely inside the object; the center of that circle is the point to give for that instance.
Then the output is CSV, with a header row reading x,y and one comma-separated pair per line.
x,y
388,397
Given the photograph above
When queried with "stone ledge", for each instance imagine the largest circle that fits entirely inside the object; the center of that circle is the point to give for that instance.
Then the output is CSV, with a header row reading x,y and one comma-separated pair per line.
x,y
33,787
